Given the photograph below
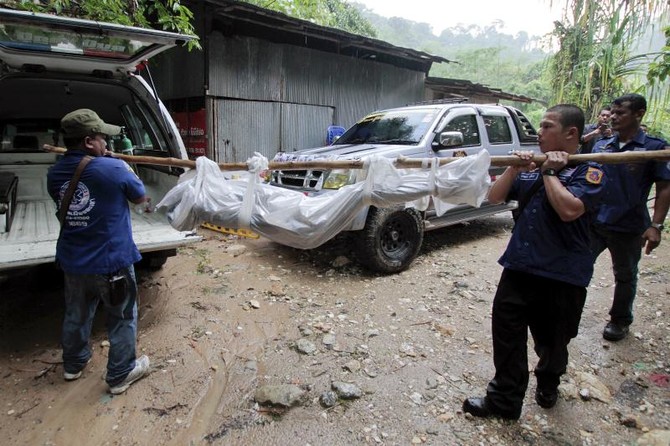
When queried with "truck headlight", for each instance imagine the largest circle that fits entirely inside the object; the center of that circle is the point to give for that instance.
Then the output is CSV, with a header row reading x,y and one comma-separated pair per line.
x,y
338,178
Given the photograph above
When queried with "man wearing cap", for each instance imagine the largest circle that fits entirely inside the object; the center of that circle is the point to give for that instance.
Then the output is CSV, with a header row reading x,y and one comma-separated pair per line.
x,y
96,250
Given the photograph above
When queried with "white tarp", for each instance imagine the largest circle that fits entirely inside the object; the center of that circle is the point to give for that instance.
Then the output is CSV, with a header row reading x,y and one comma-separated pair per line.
x,y
294,219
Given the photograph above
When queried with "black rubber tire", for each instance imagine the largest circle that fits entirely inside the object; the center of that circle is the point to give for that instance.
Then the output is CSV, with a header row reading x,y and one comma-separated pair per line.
x,y
391,239
156,262
153,261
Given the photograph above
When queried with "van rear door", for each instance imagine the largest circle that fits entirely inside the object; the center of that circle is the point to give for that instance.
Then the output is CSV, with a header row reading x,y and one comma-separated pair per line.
x,y
32,40
65,59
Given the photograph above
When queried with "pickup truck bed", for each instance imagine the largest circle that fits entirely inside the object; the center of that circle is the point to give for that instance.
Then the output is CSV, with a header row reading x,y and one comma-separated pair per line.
x,y
35,227
36,220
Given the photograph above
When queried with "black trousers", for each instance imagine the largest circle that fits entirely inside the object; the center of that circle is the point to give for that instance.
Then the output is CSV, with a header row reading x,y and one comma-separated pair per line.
x,y
551,309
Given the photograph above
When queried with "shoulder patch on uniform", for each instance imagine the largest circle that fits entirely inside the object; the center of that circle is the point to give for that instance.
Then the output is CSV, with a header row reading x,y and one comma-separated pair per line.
x,y
594,175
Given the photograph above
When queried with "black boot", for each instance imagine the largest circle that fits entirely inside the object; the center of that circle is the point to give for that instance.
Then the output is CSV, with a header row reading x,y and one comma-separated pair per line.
x,y
480,407
615,332
546,398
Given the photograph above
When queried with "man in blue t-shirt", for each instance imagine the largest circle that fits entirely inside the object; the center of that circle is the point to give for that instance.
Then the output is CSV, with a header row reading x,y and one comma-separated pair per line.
x,y
623,225
547,266
96,250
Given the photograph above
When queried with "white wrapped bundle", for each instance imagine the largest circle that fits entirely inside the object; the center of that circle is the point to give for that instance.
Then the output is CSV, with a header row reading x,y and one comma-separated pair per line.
x,y
294,219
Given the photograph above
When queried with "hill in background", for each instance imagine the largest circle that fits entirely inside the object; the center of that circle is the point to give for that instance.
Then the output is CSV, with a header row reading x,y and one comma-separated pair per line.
x,y
513,63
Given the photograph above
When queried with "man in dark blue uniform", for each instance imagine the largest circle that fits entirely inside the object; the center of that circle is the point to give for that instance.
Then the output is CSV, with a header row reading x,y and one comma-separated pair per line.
x,y
96,249
623,225
599,130
547,266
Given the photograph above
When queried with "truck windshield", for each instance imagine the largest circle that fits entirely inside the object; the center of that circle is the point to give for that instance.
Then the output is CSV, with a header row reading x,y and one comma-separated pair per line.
x,y
406,127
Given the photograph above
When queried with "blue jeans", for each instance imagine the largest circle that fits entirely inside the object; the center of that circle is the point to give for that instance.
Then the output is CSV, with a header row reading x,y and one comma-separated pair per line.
x,y
625,250
83,293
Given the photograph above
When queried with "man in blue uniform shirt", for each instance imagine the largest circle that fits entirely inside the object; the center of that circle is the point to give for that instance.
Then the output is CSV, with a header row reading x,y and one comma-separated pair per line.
x,y
547,266
623,225
597,131
96,249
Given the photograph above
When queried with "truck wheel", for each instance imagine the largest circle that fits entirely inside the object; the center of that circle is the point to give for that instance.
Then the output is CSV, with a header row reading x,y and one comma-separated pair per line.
x,y
391,239
156,262
153,261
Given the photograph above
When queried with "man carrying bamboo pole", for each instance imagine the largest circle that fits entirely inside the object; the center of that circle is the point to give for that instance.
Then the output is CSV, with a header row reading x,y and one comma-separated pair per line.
x,y
95,248
623,225
547,266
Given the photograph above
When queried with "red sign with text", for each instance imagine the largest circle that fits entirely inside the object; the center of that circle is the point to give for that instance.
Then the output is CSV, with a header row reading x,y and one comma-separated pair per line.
x,y
193,130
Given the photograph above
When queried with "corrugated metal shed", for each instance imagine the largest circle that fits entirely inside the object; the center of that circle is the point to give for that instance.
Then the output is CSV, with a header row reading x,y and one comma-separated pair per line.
x,y
272,82
322,89
445,88
239,18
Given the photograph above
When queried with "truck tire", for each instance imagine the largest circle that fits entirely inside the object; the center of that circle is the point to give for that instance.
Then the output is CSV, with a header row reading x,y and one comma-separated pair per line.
x,y
156,262
153,261
391,239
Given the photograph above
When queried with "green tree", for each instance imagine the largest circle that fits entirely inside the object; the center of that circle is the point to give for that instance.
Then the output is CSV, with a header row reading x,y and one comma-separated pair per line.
x,y
657,83
167,15
596,60
332,13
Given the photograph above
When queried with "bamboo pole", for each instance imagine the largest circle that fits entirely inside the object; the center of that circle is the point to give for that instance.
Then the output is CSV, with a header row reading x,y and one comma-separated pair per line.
x,y
401,162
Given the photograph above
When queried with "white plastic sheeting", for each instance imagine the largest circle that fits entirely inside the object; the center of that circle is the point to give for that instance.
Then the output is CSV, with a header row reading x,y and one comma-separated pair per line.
x,y
294,219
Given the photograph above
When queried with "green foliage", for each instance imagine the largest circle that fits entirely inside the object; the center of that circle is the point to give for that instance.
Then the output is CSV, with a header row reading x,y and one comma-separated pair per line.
x,y
346,17
332,13
659,69
167,15
596,61
171,15
657,77
483,55
488,66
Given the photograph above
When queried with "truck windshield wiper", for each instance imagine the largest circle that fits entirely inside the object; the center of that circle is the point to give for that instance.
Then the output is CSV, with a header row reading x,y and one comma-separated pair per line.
x,y
396,141
351,141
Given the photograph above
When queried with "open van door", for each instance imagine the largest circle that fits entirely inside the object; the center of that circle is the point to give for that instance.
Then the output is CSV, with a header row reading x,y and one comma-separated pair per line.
x,y
50,66
33,41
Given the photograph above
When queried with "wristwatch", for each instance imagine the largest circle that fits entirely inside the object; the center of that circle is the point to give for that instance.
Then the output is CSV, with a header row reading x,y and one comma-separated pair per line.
x,y
549,172
658,226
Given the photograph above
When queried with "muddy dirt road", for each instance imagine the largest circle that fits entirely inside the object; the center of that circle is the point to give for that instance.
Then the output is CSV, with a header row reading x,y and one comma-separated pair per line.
x,y
230,316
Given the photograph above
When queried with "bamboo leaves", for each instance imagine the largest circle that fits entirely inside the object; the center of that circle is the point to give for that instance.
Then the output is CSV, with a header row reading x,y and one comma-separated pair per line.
x,y
595,62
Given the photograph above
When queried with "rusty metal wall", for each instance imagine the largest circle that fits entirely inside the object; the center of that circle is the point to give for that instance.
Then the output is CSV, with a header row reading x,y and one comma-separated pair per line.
x,y
245,127
179,73
303,126
248,68
249,79
244,68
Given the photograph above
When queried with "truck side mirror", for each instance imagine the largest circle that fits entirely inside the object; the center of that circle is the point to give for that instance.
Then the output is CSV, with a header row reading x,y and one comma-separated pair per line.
x,y
451,139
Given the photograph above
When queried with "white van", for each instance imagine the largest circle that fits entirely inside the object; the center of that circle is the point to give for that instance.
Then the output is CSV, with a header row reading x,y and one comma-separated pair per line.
x,y
50,66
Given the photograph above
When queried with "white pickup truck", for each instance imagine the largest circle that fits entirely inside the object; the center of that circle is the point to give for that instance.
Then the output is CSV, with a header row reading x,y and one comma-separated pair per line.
x,y
50,66
390,238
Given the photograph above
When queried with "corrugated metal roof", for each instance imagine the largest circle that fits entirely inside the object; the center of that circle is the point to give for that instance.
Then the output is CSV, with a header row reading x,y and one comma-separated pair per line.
x,y
461,88
239,18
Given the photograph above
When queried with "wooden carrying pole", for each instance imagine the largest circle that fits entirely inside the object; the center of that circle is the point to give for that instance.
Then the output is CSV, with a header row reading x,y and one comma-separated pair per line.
x,y
496,161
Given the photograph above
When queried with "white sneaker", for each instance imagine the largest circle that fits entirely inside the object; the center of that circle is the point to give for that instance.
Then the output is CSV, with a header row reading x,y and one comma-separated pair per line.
x,y
140,371
73,376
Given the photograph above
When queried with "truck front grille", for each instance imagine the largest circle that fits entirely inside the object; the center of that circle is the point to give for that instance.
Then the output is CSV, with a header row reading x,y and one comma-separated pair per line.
x,y
298,179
